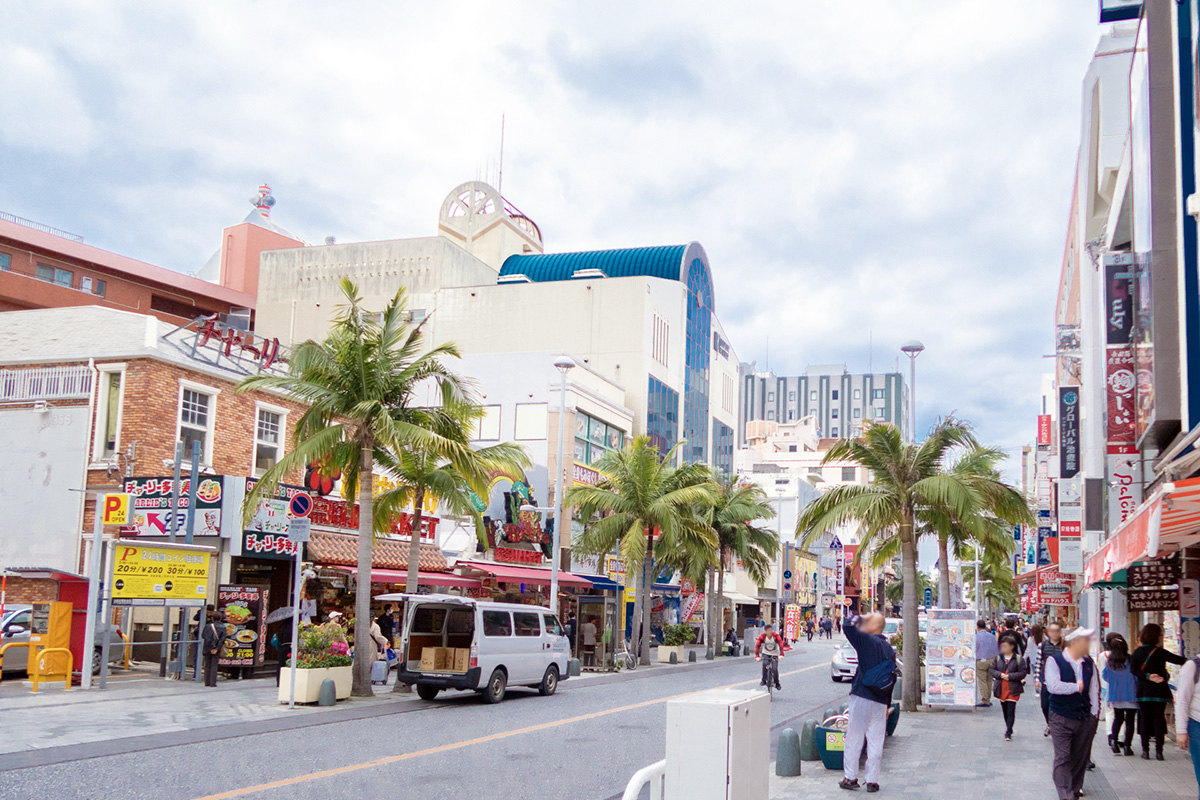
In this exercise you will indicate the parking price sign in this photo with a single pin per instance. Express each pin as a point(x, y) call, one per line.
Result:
point(152, 575)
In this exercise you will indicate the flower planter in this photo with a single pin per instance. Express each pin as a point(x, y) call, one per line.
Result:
point(664, 653)
point(308, 683)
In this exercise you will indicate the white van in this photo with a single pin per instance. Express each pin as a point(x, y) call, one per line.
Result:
point(509, 644)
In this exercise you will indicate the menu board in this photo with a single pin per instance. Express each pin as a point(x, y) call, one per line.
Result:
point(243, 609)
point(950, 657)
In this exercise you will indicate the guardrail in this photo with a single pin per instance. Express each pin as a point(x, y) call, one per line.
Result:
point(5, 647)
point(654, 775)
point(35, 676)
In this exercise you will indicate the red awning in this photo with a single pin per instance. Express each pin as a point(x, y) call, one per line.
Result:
point(1169, 520)
point(425, 578)
point(510, 573)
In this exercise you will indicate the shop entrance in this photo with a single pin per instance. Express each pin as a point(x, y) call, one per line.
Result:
point(599, 610)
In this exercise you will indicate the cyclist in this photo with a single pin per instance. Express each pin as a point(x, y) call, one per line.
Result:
point(769, 649)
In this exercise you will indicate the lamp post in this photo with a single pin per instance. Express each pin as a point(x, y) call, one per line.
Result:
point(563, 364)
point(912, 348)
point(782, 563)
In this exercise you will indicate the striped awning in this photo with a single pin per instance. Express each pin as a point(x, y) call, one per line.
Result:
point(1166, 522)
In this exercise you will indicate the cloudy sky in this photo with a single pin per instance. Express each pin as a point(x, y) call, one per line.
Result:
point(858, 172)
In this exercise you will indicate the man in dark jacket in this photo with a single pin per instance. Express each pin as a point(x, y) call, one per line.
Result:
point(1052, 645)
point(211, 639)
point(870, 698)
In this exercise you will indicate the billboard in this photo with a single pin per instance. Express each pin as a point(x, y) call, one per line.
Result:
point(152, 513)
point(151, 575)
point(1124, 483)
point(1118, 298)
point(1121, 387)
point(1068, 431)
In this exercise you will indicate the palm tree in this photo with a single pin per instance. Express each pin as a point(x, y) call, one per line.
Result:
point(359, 385)
point(894, 591)
point(999, 587)
point(641, 496)
point(733, 514)
point(908, 478)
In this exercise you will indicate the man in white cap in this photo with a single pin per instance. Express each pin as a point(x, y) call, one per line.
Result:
point(1074, 687)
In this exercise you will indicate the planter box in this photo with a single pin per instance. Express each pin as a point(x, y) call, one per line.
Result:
point(308, 683)
point(664, 653)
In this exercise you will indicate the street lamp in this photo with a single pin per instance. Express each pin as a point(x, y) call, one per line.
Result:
point(782, 564)
point(912, 348)
point(563, 364)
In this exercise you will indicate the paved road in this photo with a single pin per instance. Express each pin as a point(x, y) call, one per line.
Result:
point(584, 742)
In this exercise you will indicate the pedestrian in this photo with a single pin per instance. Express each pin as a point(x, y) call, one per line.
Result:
point(1033, 641)
point(589, 642)
point(870, 699)
point(1187, 712)
point(1010, 629)
point(1050, 646)
point(380, 644)
point(1074, 690)
point(282, 640)
point(732, 640)
point(769, 649)
point(1008, 673)
point(387, 622)
point(211, 639)
point(1149, 664)
point(572, 628)
point(809, 628)
point(986, 651)
point(1122, 693)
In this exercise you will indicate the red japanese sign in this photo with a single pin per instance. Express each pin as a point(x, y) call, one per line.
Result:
point(1045, 429)
point(1122, 385)
point(511, 555)
point(211, 329)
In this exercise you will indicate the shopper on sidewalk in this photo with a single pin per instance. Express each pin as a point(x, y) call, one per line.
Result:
point(1073, 687)
point(1050, 646)
point(1008, 671)
point(1149, 665)
point(211, 639)
point(1122, 693)
point(1187, 712)
point(870, 698)
point(986, 651)
point(1010, 630)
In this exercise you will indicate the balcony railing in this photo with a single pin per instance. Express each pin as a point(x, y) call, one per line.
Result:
point(45, 383)
point(38, 226)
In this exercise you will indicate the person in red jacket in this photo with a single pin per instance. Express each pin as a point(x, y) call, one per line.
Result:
point(769, 649)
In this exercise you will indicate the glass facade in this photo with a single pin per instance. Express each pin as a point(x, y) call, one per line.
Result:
point(696, 362)
point(722, 447)
point(594, 438)
point(662, 416)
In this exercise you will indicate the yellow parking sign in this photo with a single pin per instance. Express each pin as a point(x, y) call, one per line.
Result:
point(115, 509)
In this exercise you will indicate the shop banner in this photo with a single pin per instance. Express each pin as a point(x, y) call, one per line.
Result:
point(1124, 484)
point(1068, 431)
point(950, 657)
point(152, 515)
point(1118, 298)
point(268, 545)
point(1152, 599)
point(690, 606)
point(1055, 588)
point(1122, 403)
point(1070, 555)
point(151, 575)
point(1045, 430)
point(1047, 552)
point(1070, 508)
point(1029, 547)
point(791, 623)
point(243, 609)
point(1153, 574)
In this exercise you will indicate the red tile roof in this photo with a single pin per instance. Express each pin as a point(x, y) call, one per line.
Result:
point(342, 549)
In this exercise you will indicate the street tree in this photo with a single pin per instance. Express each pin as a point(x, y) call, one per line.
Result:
point(733, 516)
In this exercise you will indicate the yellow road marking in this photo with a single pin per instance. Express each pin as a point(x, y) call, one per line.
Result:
point(328, 773)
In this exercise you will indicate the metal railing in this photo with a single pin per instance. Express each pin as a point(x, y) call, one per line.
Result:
point(38, 226)
point(654, 775)
point(45, 383)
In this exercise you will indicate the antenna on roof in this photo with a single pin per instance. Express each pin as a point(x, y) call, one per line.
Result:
point(500, 178)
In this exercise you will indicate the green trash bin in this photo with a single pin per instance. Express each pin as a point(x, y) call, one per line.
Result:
point(831, 746)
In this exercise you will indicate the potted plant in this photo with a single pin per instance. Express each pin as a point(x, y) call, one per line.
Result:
point(675, 637)
point(323, 653)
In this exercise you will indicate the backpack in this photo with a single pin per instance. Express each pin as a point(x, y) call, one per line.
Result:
point(881, 678)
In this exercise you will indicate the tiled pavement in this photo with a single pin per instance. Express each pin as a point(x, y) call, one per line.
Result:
point(963, 754)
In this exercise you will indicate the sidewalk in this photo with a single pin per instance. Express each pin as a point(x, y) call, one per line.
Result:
point(960, 753)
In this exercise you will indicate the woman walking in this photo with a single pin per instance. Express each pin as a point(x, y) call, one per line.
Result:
point(1122, 693)
point(1149, 665)
point(1008, 673)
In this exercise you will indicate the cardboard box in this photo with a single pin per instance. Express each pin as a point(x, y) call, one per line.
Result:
point(436, 659)
point(462, 659)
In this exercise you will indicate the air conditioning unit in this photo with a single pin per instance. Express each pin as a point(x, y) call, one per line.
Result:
point(719, 745)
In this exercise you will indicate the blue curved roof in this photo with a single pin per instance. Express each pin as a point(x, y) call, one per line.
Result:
point(658, 262)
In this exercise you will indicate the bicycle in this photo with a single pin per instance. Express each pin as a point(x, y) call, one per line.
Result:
point(624, 658)
point(771, 673)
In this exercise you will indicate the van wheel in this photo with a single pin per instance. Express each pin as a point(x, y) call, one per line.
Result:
point(496, 686)
point(549, 681)
point(427, 692)
point(97, 660)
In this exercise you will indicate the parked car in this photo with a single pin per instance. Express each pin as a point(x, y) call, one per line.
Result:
point(496, 645)
point(891, 626)
point(14, 627)
point(844, 663)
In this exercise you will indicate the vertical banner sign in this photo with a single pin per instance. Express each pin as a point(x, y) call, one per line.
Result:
point(1118, 298)
point(1070, 508)
point(1124, 483)
point(1045, 433)
point(1122, 403)
point(1068, 431)
point(1122, 464)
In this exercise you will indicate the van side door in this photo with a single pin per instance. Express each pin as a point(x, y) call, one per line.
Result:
point(557, 644)
point(527, 625)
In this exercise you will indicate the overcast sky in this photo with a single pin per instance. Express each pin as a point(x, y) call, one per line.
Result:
point(857, 172)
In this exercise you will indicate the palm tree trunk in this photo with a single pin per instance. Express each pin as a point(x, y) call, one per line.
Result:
point(414, 545)
point(710, 609)
point(362, 599)
point(721, 595)
point(943, 570)
point(644, 593)
point(639, 593)
point(911, 643)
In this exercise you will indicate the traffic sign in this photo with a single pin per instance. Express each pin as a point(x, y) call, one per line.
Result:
point(115, 509)
point(298, 529)
point(928, 596)
point(849, 601)
point(787, 573)
point(301, 505)
point(787, 587)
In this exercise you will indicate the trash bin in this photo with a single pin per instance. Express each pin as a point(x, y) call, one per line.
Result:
point(831, 741)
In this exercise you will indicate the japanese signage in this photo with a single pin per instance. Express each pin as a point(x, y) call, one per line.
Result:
point(1047, 546)
point(227, 347)
point(1070, 555)
point(115, 509)
point(1118, 298)
point(1055, 588)
point(1122, 401)
point(1152, 599)
point(1154, 573)
point(1045, 433)
point(585, 474)
point(152, 575)
point(1070, 508)
point(1068, 432)
point(950, 657)
point(690, 606)
point(256, 544)
point(152, 515)
point(243, 609)
point(1124, 483)
point(511, 555)
point(791, 623)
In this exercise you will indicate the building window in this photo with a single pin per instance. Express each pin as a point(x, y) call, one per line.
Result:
point(834, 412)
point(791, 397)
point(662, 416)
point(594, 438)
point(878, 394)
point(878, 413)
point(196, 412)
point(108, 412)
point(532, 421)
point(268, 439)
point(791, 448)
point(770, 415)
point(487, 428)
point(812, 396)
point(858, 394)
point(857, 413)
point(770, 397)
point(834, 433)
point(92, 286)
point(722, 454)
point(848, 474)
point(814, 470)
point(5, 262)
point(791, 415)
point(834, 394)
point(58, 275)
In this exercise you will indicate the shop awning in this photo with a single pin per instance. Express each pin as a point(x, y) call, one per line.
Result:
point(510, 573)
point(395, 576)
point(1169, 520)
point(737, 598)
point(602, 583)
point(341, 549)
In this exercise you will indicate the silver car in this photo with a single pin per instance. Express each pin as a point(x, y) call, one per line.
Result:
point(14, 627)
point(844, 663)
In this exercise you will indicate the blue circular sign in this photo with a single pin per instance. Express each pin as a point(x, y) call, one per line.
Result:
point(787, 587)
point(300, 505)
point(787, 573)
